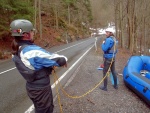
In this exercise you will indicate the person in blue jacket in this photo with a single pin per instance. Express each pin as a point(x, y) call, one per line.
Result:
point(109, 47)
point(35, 64)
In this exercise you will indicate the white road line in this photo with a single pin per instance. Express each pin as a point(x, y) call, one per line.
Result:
point(8, 70)
point(55, 52)
point(71, 67)
point(31, 108)
point(70, 47)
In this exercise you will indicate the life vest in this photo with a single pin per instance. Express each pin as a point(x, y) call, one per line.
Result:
point(114, 48)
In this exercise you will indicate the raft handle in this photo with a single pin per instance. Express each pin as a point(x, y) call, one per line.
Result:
point(145, 89)
point(127, 76)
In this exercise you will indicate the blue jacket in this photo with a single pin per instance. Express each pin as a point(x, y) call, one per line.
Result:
point(35, 64)
point(35, 58)
point(108, 47)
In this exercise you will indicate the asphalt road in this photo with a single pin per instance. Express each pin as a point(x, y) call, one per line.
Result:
point(13, 97)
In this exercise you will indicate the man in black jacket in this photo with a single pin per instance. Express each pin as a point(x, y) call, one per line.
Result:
point(34, 64)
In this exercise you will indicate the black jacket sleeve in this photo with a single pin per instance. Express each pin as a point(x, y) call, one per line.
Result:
point(61, 61)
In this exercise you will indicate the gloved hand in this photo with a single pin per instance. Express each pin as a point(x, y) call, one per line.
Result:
point(65, 65)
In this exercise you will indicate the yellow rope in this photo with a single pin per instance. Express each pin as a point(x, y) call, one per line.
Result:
point(83, 95)
point(58, 96)
point(75, 97)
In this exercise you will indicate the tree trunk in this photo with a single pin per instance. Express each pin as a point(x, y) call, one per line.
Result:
point(116, 21)
point(131, 15)
point(40, 20)
point(120, 23)
point(35, 13)
point(69, 13)
point(56, 15)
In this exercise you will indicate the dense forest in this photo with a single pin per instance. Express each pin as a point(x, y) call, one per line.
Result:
point(131, 18)
point(59, 20)
point(54, 20)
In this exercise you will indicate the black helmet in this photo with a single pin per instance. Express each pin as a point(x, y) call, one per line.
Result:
point(20, 26)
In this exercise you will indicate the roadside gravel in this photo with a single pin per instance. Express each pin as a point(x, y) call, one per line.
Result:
point(87, 76)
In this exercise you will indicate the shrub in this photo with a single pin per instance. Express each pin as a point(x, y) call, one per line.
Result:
point(58, 38)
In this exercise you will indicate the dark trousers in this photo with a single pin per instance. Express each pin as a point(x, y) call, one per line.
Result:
point(42, 99)
point(107, 63)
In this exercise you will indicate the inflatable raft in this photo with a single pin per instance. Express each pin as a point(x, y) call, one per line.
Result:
point(136, 76)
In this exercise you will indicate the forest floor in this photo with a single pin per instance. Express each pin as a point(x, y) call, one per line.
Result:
point(86, 77)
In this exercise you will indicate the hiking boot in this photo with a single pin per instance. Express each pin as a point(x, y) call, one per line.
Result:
point(103, 88)
point(116, 87)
